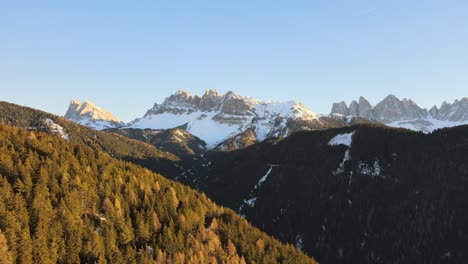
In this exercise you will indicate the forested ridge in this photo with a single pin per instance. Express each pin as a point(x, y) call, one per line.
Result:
point(64, 202)
point(393, 196)
point(116, 145)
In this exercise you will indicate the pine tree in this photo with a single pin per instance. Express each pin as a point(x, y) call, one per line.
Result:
point(5, 255)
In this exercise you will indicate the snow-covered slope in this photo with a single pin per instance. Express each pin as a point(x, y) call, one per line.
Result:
point(407, 114)
point(88, 114)
point(214, 117)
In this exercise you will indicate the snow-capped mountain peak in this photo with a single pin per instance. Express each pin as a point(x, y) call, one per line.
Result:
point(88, 114)
point(215, 117)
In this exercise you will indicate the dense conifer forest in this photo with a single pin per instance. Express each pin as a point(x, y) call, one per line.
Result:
point(393, 196)
point(117, 146)
point(64, 202)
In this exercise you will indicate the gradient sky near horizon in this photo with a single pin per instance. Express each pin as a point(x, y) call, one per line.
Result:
point(126, 55)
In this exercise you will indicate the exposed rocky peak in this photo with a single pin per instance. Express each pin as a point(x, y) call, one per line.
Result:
point(210, 101)
point(234, 104)
point(88, 114)
point(456, 111)
point(434, 111)
point(362, 109)
point(392, 109)
point(340, 108)
point(365, 108)
point(388, 110)
point(406, 113)
point(182, 98)
point(354, 108)
point(214, 117)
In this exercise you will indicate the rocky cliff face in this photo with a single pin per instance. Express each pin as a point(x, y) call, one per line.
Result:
point(215, 118)
point(211, 101)
point(393, 109)
point(88, 114)
point(406, 113)
point(456, 112)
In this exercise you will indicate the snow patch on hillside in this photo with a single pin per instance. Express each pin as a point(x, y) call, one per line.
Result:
point(251, 200)
point(427, 125)
point(340, 168)
point(94, 124)
point(200, 124)
point(342, 139)
point(264, 177)
point(290, 109)
point(57, 129)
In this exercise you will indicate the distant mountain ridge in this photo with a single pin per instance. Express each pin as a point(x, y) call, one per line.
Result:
point(406, 113)
point(229, 121)
point(215, 118)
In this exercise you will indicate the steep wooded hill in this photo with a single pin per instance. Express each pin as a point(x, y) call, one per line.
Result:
point(64, 202)
point(116, 145)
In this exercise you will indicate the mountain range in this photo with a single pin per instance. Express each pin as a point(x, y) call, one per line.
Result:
point(221, 120)
point(215, 118)
point(406, 113)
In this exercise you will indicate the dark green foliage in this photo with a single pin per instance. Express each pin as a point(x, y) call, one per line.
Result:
point(64, 202)
point(413, 211)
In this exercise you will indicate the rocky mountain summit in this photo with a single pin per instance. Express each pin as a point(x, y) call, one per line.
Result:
point(214, 117)
point(456, 111)
point(227, 104)
point(406, 113)
point(88, 114)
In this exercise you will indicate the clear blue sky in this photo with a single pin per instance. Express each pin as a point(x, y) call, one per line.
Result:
point(126, 55)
